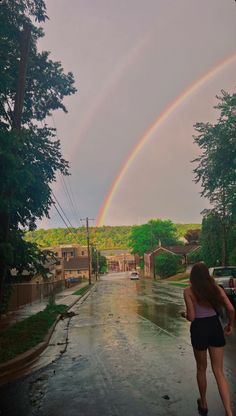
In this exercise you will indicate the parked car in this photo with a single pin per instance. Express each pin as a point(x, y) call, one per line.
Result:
point(225, 276)
point(134, 276)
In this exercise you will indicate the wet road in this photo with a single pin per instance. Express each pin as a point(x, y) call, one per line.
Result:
point(128, 353)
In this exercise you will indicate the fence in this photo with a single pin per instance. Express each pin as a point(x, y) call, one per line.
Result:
point(27, 293)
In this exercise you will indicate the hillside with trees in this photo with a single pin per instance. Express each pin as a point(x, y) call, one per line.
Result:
point(106, 237)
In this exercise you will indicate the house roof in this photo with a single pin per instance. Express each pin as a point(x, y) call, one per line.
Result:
point(176, 249)
point(76, 263)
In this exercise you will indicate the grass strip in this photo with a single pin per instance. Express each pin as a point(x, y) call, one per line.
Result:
point(180, 284)
point(82, 290)
point(178, 277)
point(26, 334)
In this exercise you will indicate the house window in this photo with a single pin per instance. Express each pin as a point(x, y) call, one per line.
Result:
point(82, 253)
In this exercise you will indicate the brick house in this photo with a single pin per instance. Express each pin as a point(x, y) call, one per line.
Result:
point(67, 251)
point(77, 267)
point(180, 250)
point(120, 261)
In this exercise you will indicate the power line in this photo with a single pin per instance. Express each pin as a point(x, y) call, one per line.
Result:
point(61, 216)
point(54, 196)
point(70, 198)
point(76, 205)
point(69, 193)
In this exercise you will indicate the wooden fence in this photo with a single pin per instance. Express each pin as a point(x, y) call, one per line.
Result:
point(27, 293)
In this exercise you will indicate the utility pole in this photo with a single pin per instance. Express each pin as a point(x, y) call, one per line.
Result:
point(97, 268)
point(88, 247)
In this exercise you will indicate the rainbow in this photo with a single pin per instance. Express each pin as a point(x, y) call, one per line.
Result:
point(111, 83)
point(154, 126)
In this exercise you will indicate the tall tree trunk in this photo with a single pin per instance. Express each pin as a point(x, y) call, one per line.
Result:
point(224, 231)
point(16, 125)
point(224, 246)
point(4, 252)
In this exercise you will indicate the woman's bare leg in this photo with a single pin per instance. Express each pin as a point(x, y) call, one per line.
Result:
point(201, 361)
point(216, 355)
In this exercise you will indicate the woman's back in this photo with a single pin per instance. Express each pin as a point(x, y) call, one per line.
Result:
point(201, 310)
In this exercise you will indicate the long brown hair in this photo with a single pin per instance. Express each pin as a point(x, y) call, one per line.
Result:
point(204, 286)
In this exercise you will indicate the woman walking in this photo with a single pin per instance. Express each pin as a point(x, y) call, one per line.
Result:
point(203, 299)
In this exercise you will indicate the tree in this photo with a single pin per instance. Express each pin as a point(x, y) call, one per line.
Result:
point(30, 154)
point(167, 264)
point(98, 260)
point(210, 239)
point(144, 238)
point(216, 170)
point(211, 244)
point(195, 256)
point(192, 236)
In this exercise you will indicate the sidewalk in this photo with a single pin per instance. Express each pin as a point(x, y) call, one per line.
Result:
point(30, 361)
point(65, 297)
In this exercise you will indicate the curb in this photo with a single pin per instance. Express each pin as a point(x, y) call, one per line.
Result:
point(9, 371)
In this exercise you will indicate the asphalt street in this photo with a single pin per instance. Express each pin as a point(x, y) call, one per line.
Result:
point(127, 352)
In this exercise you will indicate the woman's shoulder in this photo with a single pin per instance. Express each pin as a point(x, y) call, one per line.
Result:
point(189, 292)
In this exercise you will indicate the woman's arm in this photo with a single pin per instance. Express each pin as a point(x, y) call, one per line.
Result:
point(230, 312)
point(190, 311)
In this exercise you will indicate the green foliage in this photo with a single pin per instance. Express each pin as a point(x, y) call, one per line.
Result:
point(216, 168)
point(193, 236)
point(166, 264)
point(26, 334)
point(7, 292)
point(31, 156)
point(211, 240)
point(51, 300)
point(216, 171)
point(195, 256)
point(232, 257)
point(82, 290)
point(144, 238)
point(182, 229)
point(102, 262)
point(104, 238)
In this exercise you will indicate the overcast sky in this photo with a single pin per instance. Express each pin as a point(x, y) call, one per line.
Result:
point(131, 59)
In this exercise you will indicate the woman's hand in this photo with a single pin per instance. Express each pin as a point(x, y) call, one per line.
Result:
point(228, 329)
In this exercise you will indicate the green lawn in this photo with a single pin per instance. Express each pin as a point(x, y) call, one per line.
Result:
point(180, 284)
point(82, 290)
point(26, 334)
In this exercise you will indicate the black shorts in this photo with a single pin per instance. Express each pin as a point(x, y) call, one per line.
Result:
point(207, 332)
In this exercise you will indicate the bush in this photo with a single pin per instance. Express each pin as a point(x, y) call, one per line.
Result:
point(167, 264)
point(195, 256)
point(232, 257)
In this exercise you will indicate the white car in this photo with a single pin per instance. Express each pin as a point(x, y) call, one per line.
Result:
point(134, 276)
point(225, 276)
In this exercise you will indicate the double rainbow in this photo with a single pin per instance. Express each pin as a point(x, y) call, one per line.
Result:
point(154, 126)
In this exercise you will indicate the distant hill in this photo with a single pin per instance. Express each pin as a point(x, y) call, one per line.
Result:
point(105, 238)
